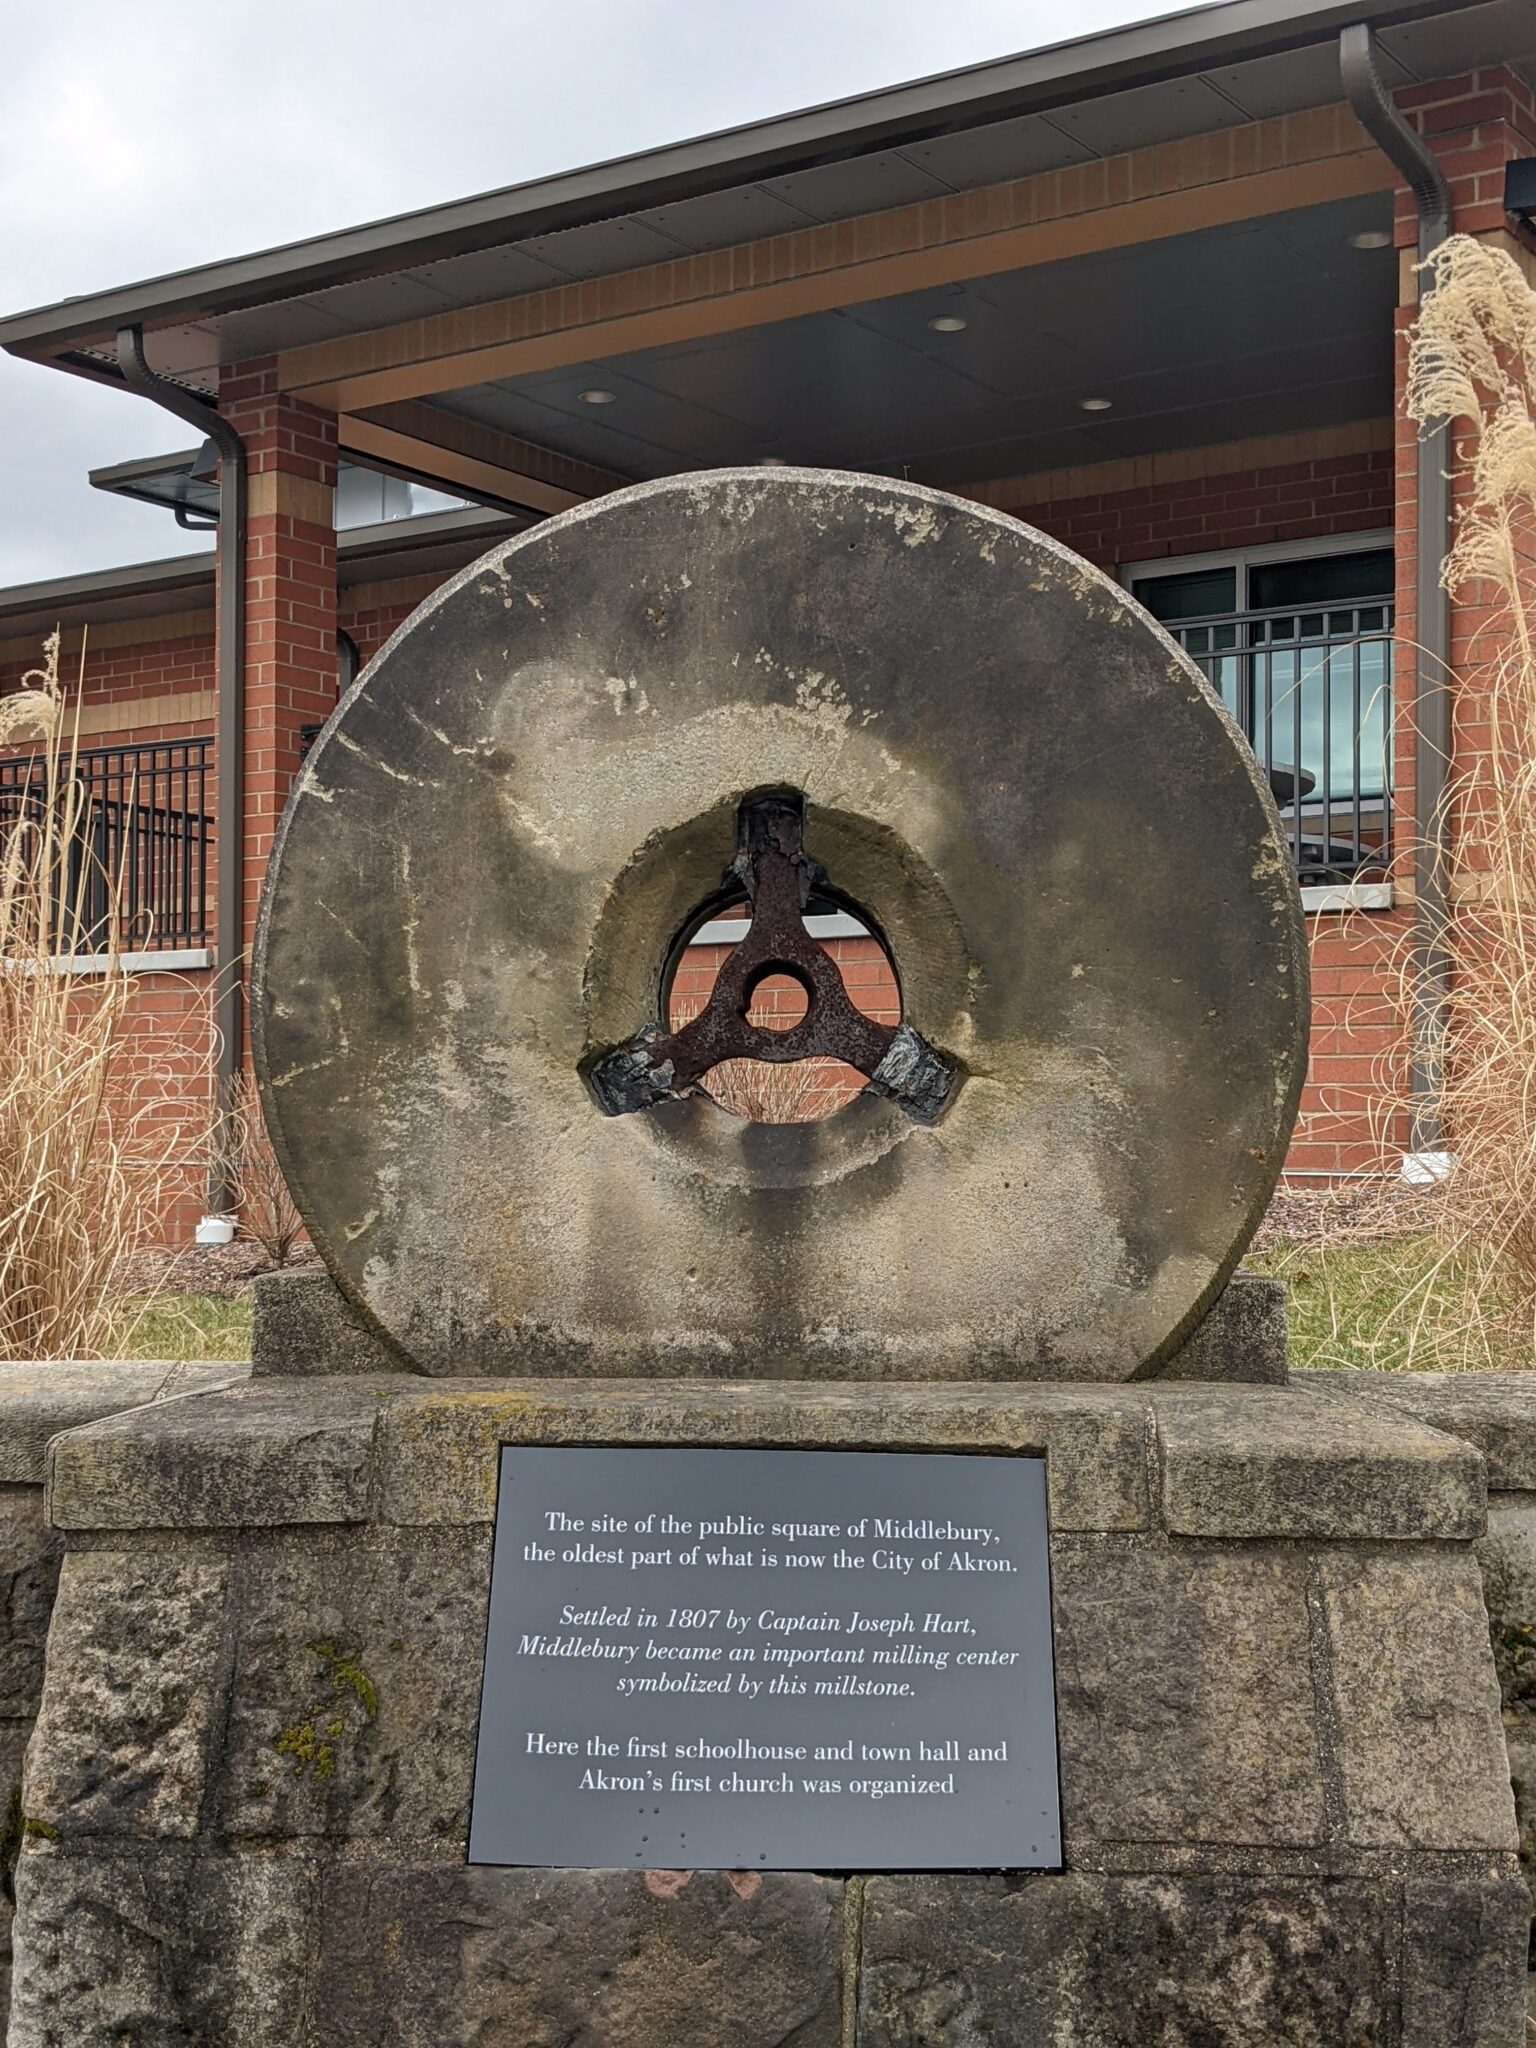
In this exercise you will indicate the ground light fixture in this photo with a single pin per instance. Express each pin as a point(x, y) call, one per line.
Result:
point(597, 396)
point(948, 323)
point(1095, 404)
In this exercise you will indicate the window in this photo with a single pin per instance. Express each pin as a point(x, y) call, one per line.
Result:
point(1297, 642)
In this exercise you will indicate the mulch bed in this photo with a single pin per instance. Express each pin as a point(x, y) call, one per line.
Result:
point(1346, 1212)
point(204, 1268)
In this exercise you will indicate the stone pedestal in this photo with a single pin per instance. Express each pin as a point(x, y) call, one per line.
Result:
point(1285, 1792)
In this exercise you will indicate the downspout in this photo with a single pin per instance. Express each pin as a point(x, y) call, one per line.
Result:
point(229, 911)
point(1432, 688)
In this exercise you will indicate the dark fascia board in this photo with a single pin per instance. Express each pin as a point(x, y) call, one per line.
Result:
point(1145, 53)
point(357, 547)
point(113, 476)
point(122, 477)
point(136, 579)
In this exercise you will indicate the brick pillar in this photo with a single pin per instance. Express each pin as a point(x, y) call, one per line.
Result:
point(290, 634)
point(1474, 125)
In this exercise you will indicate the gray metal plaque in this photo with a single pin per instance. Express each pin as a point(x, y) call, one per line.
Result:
point(803, 1660)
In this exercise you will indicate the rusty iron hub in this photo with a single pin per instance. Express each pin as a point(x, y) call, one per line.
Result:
point(778, 876)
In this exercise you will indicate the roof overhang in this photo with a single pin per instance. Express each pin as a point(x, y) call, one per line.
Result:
point(1143, 54)
point(433, 544)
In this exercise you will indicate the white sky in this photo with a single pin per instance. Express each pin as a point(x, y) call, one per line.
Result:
point(143, 137)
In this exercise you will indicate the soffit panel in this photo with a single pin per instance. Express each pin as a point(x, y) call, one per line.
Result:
point(1002, 150)
point(488, 274)
point(1269, 86)
point(1009, 357)
point(1150, 114)
point(859, 184)
point(601, 247)
point(380, 301)
point(1445, 46)
point(1276, 412)
point(717, 220)
point(1268, 326)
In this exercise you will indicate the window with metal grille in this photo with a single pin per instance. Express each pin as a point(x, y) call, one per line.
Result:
point(144, 839)
point(1296, 640)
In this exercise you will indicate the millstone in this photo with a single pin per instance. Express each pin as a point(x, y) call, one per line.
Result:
point(526, 801)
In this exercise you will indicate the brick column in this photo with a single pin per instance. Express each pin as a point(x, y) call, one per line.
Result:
point(1474, 124)
point(290, 637)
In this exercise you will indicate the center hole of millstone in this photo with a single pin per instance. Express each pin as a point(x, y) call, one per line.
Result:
point(799, 1091)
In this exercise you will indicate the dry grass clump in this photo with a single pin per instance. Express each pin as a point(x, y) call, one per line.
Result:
point(79, 1147)
point(796, 1093)
point(765, 1092)
point(267, 1212)
point(1473, 361)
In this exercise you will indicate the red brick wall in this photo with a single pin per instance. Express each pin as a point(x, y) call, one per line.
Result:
point(370, 612)
point(290, 615)
point(121, 682)
point(1338, 494)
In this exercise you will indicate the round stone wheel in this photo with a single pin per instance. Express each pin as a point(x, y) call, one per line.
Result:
point(1029, 792)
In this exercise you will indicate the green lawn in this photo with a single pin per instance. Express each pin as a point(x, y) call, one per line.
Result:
point(1387, 1304)
point(188, 1326)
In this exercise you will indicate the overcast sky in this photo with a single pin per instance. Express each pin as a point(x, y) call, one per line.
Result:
point(138, 139)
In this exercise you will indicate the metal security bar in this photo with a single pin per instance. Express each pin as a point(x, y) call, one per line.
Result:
point(1312, 692)
point(144, 837)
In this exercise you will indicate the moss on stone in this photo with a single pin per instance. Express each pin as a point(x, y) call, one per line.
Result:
point(309, 1753)
point(312, 1747)
point(348, 1675)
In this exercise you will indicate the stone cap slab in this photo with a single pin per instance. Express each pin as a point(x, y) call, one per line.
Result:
point(440, 1441)
point(39, 1398)
point(1238, 1462)
point(1496, 1411)
point(248, 1456)
point(1261, 1461)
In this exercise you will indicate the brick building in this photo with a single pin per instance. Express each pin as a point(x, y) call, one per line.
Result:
point(1146, 290)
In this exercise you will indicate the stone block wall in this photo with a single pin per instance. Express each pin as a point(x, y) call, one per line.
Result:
point(1285, 1789)
point(36, 1403)
point(1497, 1413)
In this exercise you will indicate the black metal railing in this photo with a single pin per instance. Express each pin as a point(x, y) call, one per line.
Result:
point(1312, 692)
point(144, 833)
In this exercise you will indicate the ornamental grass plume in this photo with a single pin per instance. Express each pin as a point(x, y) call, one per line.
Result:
point(80, 1148)
point(1473, 361)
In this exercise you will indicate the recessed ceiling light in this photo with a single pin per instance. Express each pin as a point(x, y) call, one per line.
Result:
point(1372, 238)
point(773, 462)
point(1095, 404)
point(598, 397)
point(948, 323)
